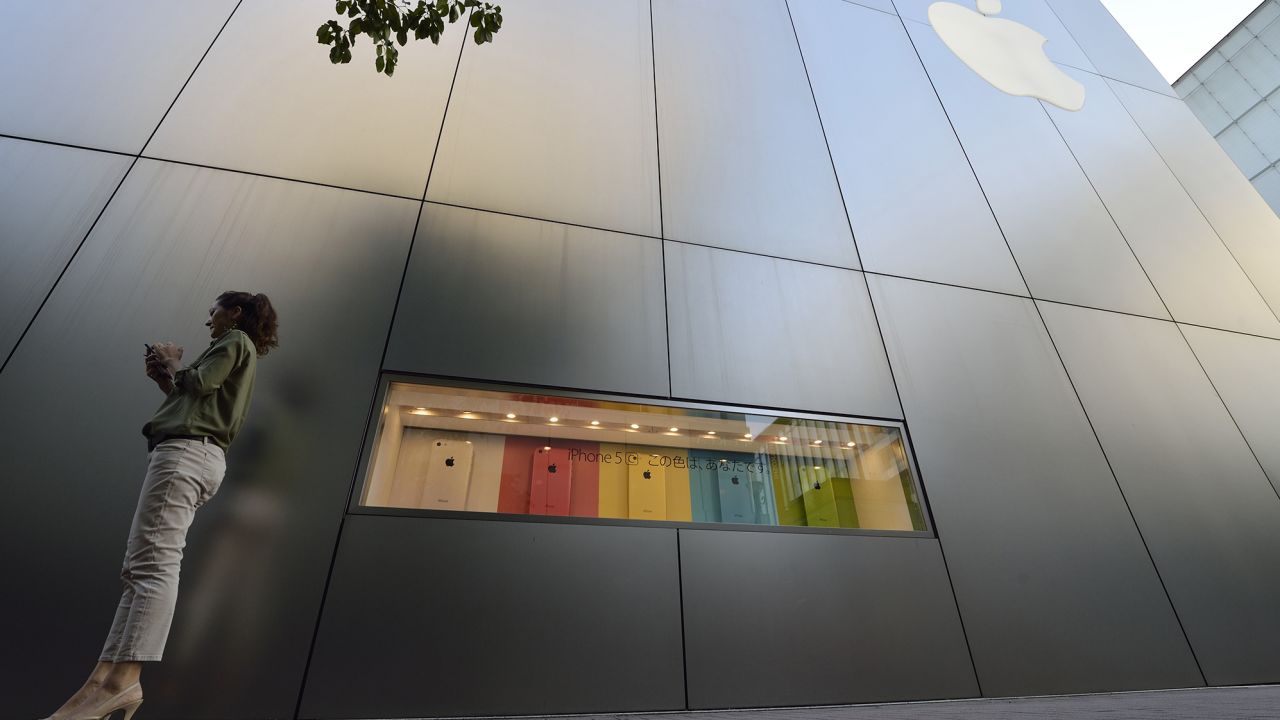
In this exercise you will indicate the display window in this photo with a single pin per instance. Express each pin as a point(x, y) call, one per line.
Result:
point(478, 450)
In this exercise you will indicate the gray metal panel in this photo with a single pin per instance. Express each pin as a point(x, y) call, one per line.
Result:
point(1209, 516)
point(746, 329)
point(916, 208)
point(74, 399)
point(49, 196)
point(1035, 14)
point(789, 619)
point(1240, 216)
point(1110, 48)
point(1056, 590)
point(267, 100)
point(744, 164)
point(1191, 268)
point(100, 73)
point(555, 122)
point(1243, 370)
point(428, 617)
point(1066, 243)
point(497, 297)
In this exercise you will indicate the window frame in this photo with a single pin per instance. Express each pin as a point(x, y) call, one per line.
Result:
point(386, 378)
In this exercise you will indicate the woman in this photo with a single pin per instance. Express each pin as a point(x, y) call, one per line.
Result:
point(205, 406)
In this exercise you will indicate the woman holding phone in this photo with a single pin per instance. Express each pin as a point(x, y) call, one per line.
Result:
point(204, 408)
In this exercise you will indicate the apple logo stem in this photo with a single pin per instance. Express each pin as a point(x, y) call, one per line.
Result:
point(1006, 54)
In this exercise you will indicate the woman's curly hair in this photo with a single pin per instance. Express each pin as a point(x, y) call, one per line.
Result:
point(258, 320)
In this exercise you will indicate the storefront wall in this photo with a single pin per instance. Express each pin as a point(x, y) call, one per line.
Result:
point(714, 202)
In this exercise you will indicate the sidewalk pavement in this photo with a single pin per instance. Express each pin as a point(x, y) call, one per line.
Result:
point(1258, 702)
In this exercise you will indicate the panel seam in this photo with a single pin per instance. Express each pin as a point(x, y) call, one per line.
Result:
point(1194, 202)
point(1155, 567)
point(662, 228)
point(54, 286)
point(373, 405)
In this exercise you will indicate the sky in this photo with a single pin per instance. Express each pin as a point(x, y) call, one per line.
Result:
point(1177, 33)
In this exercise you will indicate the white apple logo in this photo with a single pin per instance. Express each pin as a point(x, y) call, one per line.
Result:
point(1006, 54)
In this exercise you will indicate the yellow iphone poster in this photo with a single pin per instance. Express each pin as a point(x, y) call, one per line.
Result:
point(613, 480)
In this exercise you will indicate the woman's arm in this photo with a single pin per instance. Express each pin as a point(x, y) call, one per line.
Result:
point(208, 373)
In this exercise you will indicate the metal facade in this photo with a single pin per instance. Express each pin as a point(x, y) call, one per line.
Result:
point(723, 202)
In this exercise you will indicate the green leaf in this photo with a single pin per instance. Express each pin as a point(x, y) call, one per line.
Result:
point(340, 7)
point(479, 36)
point(475, 19)
point(380, 62)
point(402, 37)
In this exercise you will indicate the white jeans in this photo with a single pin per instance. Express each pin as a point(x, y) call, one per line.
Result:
point(182, 475)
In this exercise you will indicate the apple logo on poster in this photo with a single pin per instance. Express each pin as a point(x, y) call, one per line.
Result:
point(551, 468)
point(1006, 54)
point(449, 461)
point(734, 480)
point(648, 475)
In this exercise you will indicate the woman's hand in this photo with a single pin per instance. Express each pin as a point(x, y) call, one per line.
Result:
point(159, 372)
point(168, 355)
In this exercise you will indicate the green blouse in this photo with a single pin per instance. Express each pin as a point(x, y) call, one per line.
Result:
point(211, 395)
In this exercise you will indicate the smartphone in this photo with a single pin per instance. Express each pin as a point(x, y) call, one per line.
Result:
point(551, 483)
point(447, 475)
point(646, 490)
point(819, 497)
point(736, 501)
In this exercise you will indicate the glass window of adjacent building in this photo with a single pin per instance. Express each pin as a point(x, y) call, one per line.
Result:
point(467, 449)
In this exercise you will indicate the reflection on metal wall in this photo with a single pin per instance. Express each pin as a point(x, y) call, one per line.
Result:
point(74, 400)
point(697, 180)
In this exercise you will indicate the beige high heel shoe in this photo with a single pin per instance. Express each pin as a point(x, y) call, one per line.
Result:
point(111, 705)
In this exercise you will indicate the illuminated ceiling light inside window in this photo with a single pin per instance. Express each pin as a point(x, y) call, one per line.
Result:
point(554, 419)
point(747, 436)
point(783, 438)
point(595, 422)
point(675, 429)
point(711, 432)
point(511, 416)
point(817, 442)
point(546, 447)
point(635, 426)
point(817, 467)
point(850, 444)
point(420, 409)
